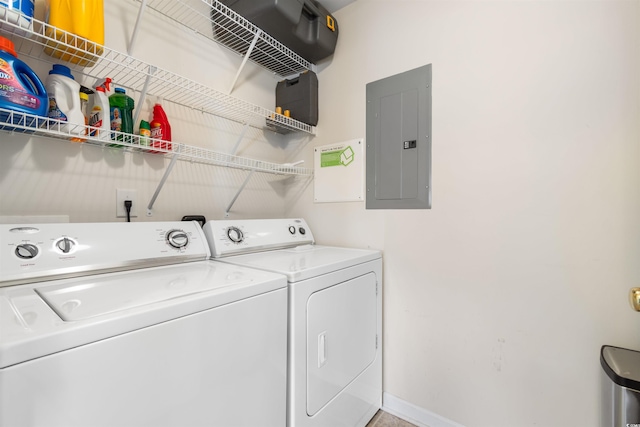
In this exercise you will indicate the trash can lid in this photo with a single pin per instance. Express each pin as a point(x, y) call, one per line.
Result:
point(621, 365)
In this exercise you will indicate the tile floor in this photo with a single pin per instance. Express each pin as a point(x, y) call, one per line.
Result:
point(383, 419)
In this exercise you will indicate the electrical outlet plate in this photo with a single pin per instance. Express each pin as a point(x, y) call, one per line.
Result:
point(121, 196)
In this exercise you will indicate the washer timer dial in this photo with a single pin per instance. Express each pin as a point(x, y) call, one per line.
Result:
point(65, 245)
point(177, 239)
point(235, 234)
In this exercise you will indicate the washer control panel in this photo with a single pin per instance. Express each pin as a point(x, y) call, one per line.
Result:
point(233, 237)
point(45, 251)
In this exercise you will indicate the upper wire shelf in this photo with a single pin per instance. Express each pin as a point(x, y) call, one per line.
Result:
point(219, 23)
point(139, 76)
point(13, 121)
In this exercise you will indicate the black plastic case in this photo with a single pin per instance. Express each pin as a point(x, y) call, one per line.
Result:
point(300, 96)
point(304, 26)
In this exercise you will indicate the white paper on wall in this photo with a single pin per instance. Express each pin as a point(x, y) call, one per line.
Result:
point(339, 172)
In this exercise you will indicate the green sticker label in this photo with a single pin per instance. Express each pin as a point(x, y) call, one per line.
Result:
point(337, 158)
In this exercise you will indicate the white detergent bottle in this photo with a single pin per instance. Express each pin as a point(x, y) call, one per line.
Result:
point(64, 102)
point(99, 112)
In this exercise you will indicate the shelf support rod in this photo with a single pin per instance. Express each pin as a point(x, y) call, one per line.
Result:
point(134, 35)
point(244, 60)
point(244, 184)
point(240, 137)
point(162, 181)
point(143, 94)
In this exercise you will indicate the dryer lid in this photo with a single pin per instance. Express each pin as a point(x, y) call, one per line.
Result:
point(304, 262)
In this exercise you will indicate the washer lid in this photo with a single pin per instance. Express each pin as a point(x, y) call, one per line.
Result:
point(305, 262)
point(96, 296)
point(44, 318)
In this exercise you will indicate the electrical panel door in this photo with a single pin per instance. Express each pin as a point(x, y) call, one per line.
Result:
point(398, 150)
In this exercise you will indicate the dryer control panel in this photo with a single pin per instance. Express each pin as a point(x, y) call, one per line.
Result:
point(233, 237)
point(32, 253)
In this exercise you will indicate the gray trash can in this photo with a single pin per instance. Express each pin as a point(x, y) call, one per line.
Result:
point(620, 387)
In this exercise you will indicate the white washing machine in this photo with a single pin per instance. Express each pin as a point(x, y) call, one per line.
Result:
point(335, 324)
point(131, 324)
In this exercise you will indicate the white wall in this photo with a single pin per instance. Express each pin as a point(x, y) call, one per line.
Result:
point(497, 300)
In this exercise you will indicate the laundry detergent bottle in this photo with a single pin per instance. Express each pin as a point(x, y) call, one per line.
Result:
point(83, 22)
point(160, 129)
point(22, 90)
point(64, 102)
point(121, 106)
point(19, 12)
point(99, 111)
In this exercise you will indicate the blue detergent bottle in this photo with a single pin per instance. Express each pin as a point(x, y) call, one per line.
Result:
point(20, 90)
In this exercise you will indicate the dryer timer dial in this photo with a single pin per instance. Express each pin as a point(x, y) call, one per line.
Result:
point(235, 234)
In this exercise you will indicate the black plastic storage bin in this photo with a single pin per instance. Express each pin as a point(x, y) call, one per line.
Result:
point(304, 26)
point(620, 387)
point(300, 96)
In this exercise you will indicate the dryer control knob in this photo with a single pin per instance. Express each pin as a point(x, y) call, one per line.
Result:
point(177, 238)
point(292, 230)
point(65, 245)
point(235, 234)
point(26, 251)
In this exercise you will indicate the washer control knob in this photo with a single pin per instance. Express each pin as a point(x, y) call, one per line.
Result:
point(302, 231)
point(65, 245)
point(26, 251)
point(177, 239)
point(235, 234)
point(292, 230)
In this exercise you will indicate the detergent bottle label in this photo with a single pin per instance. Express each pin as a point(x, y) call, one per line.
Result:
point(55, 112)
point(11, 91)
point(156, 132)
point(116, 119)
point(96, 118)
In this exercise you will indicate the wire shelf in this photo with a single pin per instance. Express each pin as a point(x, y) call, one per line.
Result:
point(13, 121)
point(137, 75)
point(217, 22)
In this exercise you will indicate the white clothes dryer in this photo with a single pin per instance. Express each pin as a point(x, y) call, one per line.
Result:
point(335, 324)
point(131, 324)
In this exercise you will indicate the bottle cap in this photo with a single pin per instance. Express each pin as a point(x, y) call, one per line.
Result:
point(7, 46)
point(84, 96)
point(62, 70)
point(120, 90)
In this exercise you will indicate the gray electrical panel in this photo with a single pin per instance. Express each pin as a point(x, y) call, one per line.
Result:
point(398, 156)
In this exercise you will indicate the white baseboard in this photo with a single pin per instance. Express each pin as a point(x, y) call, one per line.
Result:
point(414, 414)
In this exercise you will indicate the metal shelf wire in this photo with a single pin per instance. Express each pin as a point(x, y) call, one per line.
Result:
point(13, 121)
point(217, 22)
point(139, 76)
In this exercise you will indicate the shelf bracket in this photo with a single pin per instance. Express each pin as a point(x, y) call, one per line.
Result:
point(244, 184)
point(162, 181)
point(143, 94)
point(134, 35)
point(245, 59)
point(240, 137)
